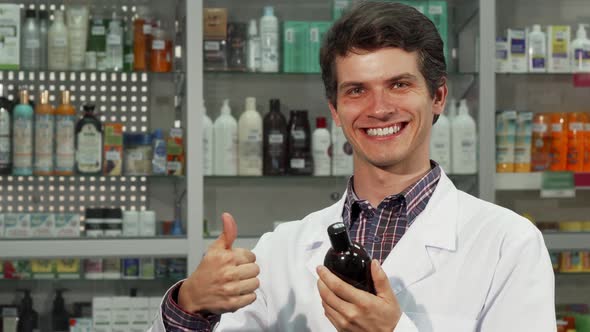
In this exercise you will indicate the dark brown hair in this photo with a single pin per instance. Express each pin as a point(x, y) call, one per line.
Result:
point(373, 25)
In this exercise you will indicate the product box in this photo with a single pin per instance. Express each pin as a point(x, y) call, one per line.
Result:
point(17, 225)
point(341, 153)
point(67, 225)
point(161, 268)
point(43, 268)
point(505, 140)
point(175, 152)
point(67, 268)
point(215, 23)
point(339, 7)
point(111, 268)
point(102, 315)
point(93, 268)
point(517, 54)
point(140, 314)
point(523, 147)
point(81, 325)
point(113, 149)
point(42, 225)
point(17, 269)
point(437, 12)
point(295, 46)
point(147, 268)
point(155, 303)
point(10, 33)
point(317, 30)
point(558, 48)
point(502, 51)
point(130, 268)
point(121, 314)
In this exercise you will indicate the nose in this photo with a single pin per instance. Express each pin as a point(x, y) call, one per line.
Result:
point(382, 106)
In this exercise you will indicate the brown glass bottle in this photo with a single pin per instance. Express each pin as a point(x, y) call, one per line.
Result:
point(300, 162)
point(348, 260)
point(274, 141)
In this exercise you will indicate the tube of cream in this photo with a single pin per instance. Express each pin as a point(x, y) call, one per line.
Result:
point(77, 17)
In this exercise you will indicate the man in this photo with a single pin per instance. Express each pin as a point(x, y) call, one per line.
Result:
point(443, 260)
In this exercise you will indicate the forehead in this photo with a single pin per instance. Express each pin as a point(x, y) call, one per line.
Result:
point(384, 63)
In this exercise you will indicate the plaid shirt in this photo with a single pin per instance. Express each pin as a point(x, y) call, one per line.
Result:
point(377, 229)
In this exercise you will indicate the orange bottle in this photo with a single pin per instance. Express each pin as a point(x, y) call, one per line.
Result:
point(65, 124)
point(159, 57)
point(142, 39)
point(587, 144)
point(558, 131)
point(575, 141)
point(44, 136)
point(541, 143)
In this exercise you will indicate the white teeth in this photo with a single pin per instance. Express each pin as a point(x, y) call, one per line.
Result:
point(385, 131)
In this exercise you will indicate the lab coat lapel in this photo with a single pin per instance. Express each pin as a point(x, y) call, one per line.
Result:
point(436, 227)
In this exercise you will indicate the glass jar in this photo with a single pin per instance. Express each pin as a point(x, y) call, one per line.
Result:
point(138, 153)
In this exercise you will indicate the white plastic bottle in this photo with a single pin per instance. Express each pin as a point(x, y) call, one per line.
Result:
point(31, 42)
point(115, 45)
point(269, 39)
point(581, 51)
point(225, 139)
point(537, 50)
point(253, 47)
point(207, 143)
point(250, 140)
point(320, 148)
point(440, 143)
point(452, 109)
point(58, 43)
point(464, 142)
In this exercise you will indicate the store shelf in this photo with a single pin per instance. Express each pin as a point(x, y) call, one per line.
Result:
point(532, 181)
point(567, 241)
point(282, 179)
point(85, 247)
point(241, 242)
point(92, 177)
point(249, 73)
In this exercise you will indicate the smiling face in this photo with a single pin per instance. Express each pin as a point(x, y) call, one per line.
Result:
point(385, 109)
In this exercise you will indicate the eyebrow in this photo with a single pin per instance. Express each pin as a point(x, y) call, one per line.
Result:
point(404, 76)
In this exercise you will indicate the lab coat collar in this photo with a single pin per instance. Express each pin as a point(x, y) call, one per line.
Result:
point(409, 262)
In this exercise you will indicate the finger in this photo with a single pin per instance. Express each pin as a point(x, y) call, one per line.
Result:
point(246, 271)
point(339, 305)
point(333, 316)
point(341, 288)
point(230, 233)
point(243, 300)
point(381, 282)
point(243, 256)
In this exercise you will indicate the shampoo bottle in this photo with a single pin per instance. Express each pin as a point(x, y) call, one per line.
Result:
point(43, 33)
point(89, 143)
point(114, 46)
point(207, 144)
point(253, 47)
point(250, 140)
point(28, 319)
point(464, 142)
point(60, 318)
point(440, 143)
point(321, 143)
point(65, 147)
point(58, 43)
point(537, 50)
point(300, 159)
point(22, 136)
point(274, 143)
point(581, 51)
point(5, 133)
point(31, 42)
point(348, 260)
point(269, 39)
point(44, 136)
point(225, 137)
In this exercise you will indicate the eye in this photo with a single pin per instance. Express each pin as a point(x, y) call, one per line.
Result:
point(355, 91)
point(399, 85)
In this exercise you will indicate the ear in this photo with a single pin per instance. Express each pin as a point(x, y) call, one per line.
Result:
point(334, 113)
point(440, 99)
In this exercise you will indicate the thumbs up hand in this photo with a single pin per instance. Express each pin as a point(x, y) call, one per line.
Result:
point(226, 278)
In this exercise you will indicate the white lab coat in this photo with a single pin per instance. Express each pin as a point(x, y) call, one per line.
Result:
point(463, 265)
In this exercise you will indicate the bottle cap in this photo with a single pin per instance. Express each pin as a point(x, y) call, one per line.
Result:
point(225, 108)
point(158, 134)
point(320, 122)
point(339, 237)
point(536, 28)
point(30, 13)
point(65, 97)
point(268, 11)
point(252, 28)
point(250, 104)
point(275, 105)
point(88, 107)
point(43, 15)
point(24, 96)
point(44, 97)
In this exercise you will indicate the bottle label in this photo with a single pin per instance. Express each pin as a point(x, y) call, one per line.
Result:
point(32, 43)
point(129, 58)
point(60, 41)
point(98, 30)
point(576, 126)
point(158, 45)
point(539, 128)
point(113, 155)
point(44, 143)
point(114, 40)
point(4, 150)
point(297, 163)
point(556, 127)
point(64, 139)
point(298, 138)
point(23, 142)
point(275, 138)
point(147, 29)
point(89, 149)
point(251, 151)
point(314, 35)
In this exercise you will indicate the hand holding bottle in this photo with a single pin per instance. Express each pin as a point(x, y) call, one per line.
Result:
point(351, 309)
point(226, 278)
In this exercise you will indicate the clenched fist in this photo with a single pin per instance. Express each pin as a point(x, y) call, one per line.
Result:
point(226, 278)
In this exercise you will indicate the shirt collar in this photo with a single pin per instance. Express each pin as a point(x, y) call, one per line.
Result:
point(413, 193)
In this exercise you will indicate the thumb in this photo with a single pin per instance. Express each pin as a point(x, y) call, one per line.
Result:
point(230, 232)
point(381, 282)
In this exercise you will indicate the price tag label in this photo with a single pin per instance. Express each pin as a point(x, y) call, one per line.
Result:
point(558, 185)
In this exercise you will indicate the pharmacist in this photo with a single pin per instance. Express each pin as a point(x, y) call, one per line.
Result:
point(444, 260)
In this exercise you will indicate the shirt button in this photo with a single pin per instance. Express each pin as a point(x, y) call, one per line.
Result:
point(376, 238)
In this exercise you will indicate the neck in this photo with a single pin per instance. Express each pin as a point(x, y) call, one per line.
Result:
point(374, 184)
